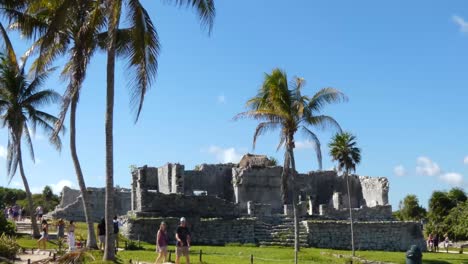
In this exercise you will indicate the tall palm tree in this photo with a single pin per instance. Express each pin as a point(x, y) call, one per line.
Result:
point(280, 104)
point(343, 150)
point(20, 102)
point(142, 52)
point(65, 28)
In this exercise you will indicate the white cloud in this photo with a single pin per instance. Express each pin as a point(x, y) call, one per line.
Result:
point(225, 155)
point(307, 144)
point(221, 99)
point(452, 178)
point(3, 152)
point(427, 167)
point(465, 160)
point(56, 187)
point(399, 171)
point(461, 23)
point(16, 184)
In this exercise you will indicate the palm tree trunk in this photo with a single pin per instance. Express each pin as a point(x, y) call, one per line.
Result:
point(28, 195)
point(294, 200)
point(91, 241)
point(350, 212)
point(114, 17)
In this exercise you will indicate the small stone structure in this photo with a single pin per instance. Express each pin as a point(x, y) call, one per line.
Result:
point(71, 205)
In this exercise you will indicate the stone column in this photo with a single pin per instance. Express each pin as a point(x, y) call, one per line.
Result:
point(250, 208)
point(337, 201)
point(311, 206)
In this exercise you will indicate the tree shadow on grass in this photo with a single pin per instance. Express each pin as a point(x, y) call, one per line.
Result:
point(445, 261)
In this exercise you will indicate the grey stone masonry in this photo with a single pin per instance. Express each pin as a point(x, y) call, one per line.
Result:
point(385, 235)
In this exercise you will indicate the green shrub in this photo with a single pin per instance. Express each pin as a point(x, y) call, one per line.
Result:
point(8, 247)
point(133, 245)
point(6, 227)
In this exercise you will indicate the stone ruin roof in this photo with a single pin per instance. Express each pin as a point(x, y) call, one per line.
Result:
point(257, 161)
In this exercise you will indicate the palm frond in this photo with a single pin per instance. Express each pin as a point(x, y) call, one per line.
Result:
point(28, 141)
point(315, 140)
point(9, 48)
point(326, 96)
point(262, 128)
point(142, 53)
point(205, 8)
point(323, 122)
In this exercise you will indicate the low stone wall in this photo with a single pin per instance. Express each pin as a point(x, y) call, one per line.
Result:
point(389, 236)
point(377, 213)
point(215, 231)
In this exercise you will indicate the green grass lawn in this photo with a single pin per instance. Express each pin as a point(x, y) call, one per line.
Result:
point(264, 255)
point(234, 254)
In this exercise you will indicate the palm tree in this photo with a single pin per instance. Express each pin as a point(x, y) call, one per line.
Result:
point(142, 51)
point(279, 104)
point(64, 27)
point(20, 100)
point(343, 150)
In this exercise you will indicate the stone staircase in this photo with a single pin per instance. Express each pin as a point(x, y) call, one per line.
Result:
point(279, 231)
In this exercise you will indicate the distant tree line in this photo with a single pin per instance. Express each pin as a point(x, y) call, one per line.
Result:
point(447, 213)
point(47, 199)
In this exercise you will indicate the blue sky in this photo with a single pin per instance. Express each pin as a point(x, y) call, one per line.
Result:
point(403, 65)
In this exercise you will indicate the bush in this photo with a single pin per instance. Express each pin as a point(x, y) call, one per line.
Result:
point(6, 227)
point(133, 245)
point(8, 247)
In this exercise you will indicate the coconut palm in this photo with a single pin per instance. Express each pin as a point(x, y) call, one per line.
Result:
point(20, 101)
point(280, 104)
point(142, 52)
point(64, 28)
point(343, 150)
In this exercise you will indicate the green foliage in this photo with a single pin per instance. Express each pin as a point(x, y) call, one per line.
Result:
point(448, 212)
point(410, 209)
point(273, 161)
point(133, 245)
point(9, 196)
point(343, 150)
point(47, 193)
point(39, 199)
point(6, 227)
point(8, 247)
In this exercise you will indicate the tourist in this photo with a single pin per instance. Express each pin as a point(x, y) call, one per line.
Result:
point(101, 228)
point(435, 241)
point(161, 243)
point(44, 235)
point(23, 213)
point(183, 241)
point(430, 242)
point(71, 236)
point(116, 225)
point(20, 213)
point(15, 212)
point(60, 229)
point(39, 213)
point(446, 242)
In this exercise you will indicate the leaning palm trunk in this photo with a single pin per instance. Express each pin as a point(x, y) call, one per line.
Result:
point(114, 12)
point(294, 201)
point(34, 226)
point(91, 242)
point(350, 212)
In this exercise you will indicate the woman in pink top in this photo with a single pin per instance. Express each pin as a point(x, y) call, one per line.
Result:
point(161, 243)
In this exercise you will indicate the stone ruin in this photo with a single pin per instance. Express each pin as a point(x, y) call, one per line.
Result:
point(241, 203)
point(71, 205)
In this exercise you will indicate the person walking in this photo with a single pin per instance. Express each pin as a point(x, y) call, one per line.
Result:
point(116, 225)
point(44, 236)
point(162, 241)
point(183, 241)
point(71, 236)
point(101, 230)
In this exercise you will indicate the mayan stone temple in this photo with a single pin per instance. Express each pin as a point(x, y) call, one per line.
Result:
point(241, 203)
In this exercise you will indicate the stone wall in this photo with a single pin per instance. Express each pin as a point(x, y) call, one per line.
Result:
point(376, 213)
point(260, 185)
point(71, 205)
point(214, 231)
point(157, 204)
point(389, 236)
point(216, 180)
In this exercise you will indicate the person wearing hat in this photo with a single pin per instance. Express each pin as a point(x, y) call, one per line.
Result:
point(183, 241)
